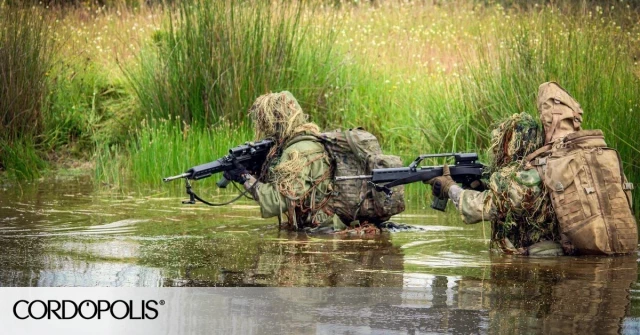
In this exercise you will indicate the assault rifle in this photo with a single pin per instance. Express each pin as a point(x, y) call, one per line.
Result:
point(251, 156)
point(466, 171)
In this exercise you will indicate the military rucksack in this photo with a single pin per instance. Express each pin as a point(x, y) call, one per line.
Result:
point(589, 191)
point(356, 152)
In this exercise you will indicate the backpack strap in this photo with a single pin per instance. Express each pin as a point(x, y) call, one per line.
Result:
point(555, 119)
point(349, 137)
point(350, 141)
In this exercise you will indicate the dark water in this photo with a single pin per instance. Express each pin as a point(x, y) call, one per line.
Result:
point(63, 232)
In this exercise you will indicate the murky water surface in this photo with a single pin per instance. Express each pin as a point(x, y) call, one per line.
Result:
point(63, 232)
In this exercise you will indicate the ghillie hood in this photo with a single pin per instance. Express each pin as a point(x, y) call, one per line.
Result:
point(279, 116)
point(513, 139)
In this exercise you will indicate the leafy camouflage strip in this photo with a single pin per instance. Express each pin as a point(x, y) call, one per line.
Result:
point(516, 203)
point(301, 195)
point(524, 214)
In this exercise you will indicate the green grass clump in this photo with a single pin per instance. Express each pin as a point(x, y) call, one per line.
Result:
point(21, 159)
point(214, 58)
point(87, 109)
point(26, 51)
point(166, 148)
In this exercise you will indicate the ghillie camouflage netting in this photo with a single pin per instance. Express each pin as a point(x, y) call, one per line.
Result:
point(513, 139)
point(524, 212)
point(280, 117)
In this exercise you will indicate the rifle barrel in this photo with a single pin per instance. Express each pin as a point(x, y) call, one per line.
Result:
point(183, 175)
point(362, 176)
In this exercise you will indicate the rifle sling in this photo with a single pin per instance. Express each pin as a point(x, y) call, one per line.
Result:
point(195, 196)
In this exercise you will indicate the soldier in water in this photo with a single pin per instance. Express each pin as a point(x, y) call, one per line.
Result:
point(552, 192)
point(296, 176)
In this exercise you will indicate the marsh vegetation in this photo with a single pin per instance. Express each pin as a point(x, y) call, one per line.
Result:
point(135, 92)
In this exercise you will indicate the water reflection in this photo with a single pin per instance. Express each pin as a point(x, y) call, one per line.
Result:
point(443, 279)
point(558, 295)
point(517, 296)
point(297, 260)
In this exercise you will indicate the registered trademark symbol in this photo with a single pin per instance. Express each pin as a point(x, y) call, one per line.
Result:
point(161, 302)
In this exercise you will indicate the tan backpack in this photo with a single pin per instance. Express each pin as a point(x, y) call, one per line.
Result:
point(589, 191)
point(357, 152)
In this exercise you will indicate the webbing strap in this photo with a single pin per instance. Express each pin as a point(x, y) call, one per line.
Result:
point(538, 152)
point(555, 119)
point(302, 138)
point(349, 137)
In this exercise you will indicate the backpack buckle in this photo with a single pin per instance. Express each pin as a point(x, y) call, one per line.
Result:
point(627, 186)
point(540, 161)
point(559, 187)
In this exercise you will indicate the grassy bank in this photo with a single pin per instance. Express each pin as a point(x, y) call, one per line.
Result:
point(423, 77)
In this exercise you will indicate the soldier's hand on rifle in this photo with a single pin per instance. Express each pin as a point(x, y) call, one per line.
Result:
point(477, 185)
point(440, 185)
point(239, 175)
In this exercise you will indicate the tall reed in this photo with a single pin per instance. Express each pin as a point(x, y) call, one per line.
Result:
point(26, 51)
point(164, 148)
point(214, 58)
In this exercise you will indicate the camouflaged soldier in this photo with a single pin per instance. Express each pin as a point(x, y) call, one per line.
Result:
point(561, 191)
point(515, 202)
point(297, 175)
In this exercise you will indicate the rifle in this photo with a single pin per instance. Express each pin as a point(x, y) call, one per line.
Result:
point(250, 155)
point(465, 171)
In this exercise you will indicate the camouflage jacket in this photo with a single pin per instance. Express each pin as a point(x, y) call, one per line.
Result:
point(516, 204)
point(299, 194)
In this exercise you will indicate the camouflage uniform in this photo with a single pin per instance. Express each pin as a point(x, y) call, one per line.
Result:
point(305, 187)
point(515, 201)
point(296, 177)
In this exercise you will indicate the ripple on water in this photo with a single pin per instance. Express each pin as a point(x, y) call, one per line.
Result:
point(445, 259)
point(46, 229)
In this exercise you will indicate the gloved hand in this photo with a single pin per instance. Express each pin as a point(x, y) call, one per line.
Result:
point(477, 185)
point(440, 185)
point(239, 175)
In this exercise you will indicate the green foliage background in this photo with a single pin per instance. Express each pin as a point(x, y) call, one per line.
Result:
point(424, 77)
